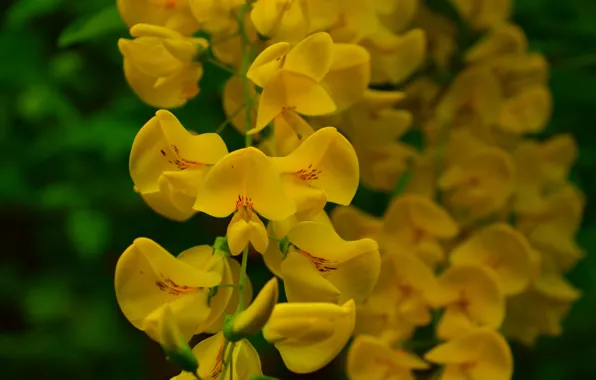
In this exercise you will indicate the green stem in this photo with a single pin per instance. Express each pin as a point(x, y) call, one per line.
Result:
point(242, 279)
point(228, 121)
point(228, 363)
point(222, 66)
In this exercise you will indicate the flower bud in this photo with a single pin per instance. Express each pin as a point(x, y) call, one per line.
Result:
point(252, 320)
point(173, 343)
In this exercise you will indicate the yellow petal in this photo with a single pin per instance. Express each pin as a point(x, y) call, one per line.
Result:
point(287, 89)
point(268, 63)
point(246, 227)
point(150, 56)
point(504, 39)
point(312, 57)
point(305, 358)
point(169, 203)
point(245, 174)
point(326, 160)
point(304, 283)
point(234, 104)
point(527, 112)
point(252, 320)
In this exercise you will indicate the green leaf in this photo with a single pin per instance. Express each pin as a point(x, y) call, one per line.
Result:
point(104, 22)
point(23, 11)
point(89, 232)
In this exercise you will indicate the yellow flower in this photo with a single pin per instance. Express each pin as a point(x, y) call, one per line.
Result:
point(173, 14)
point(395, 57)
point(502, 249)
point(481, 354)
point(316, 77)
point(397, 15)
point(244, 181)
point(504, 39)
point(371, 359)
point(471, 298)
point(245, 178)
point(526, 111)
point(478, 180)
point(324, 168)
point(159, 65)
point(148, 277)
point(441, 34)
point(484, 13)
point(414, 224)
point(541, 309)
point(322, 267)
point(381, 166)
point(474, 91)
point(352, 223)
point(552, 225)
point(289, 131)
point(167, 164)
point(285, 20)
point(215, 16)
point(211, 356)
point(309, 335)
point(541, 166)
point(399, 302)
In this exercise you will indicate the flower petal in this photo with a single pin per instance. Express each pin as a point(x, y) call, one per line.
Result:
point(268, 63)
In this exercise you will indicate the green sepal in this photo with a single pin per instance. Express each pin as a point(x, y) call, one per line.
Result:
point(283, 246)
point(183, 358)
point(228, 330)
point(212, 293)
point(221, 245)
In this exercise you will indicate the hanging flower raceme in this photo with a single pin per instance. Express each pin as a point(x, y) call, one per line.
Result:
point(309, 335)
point(245, 182)
point(167, 164)
point(319, 266)
point(479, 355)
point(160, 66)
point(315, 77)
point(324, 168)
point(372, 359)
point(212, 357)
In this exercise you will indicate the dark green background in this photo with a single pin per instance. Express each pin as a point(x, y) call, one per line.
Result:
point(67, 208)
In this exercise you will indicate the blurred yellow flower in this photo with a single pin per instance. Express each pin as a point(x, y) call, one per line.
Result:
point(471, 297)
point(173, 14)
point(159, 65)
point(371, 359)
point(481, 354)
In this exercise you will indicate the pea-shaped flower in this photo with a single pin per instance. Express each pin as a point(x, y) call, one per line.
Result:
point(481, 354)
point(309, 335)
point(315, 77)
point(148, 277)
point(159, 65)
point(471, 297)
point(246, 182)
point(322, 267)
point(211, 356)
point(504, 250)
point(323, 168)
point(167, 164)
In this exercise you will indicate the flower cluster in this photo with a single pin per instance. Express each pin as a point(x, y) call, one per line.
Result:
point(473, 245)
